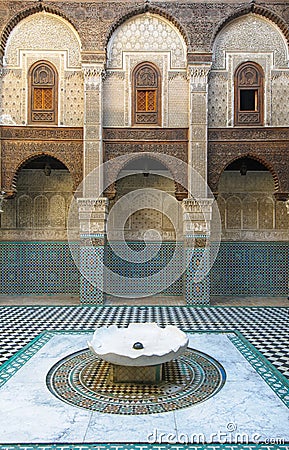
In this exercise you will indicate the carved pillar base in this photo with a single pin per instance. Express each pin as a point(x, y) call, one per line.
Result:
point(92, 216)
point(197, 221)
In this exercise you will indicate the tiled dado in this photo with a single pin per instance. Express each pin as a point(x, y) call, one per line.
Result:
point(241, 268)
point(251, 269)
point(37, 268)
point(160, 256)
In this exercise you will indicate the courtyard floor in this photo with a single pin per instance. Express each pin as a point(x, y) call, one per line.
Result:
point(251, 344)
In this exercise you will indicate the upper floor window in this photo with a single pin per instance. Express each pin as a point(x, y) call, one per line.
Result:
point(43, 94)
point(146, 95)
point(249, 95)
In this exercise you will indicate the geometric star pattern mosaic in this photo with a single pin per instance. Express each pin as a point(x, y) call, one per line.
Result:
point(82, 379)
point(266, 328)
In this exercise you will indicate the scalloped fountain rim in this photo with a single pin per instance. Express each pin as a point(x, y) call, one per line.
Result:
point(160, 345)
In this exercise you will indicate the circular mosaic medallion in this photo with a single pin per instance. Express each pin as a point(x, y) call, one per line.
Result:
point(81, 379)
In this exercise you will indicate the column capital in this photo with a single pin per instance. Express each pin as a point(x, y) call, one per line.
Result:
point(93, 74)
point(192, 204)
point(197, 216)
point(93, 204)
point(198, 75)
point(92, 216)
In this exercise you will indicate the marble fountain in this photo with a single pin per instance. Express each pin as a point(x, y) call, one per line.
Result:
point(137, 353)
point(139, 369)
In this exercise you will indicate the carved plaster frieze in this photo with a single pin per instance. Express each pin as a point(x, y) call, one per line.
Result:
point(177, 74)
point(199, 205)
point(119, 74)
point(73, 73)
point(41, 133)
point(6, 71)
point(34, 235)
point(138, 134)
point(257, 235)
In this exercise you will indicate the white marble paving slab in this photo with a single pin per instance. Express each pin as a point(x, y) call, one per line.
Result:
point(246, 405)
point(30, 413)
point(121, 428)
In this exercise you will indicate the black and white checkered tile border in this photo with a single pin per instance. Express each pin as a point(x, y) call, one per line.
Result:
point(266, 328)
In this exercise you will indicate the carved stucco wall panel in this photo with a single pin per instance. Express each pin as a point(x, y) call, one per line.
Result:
point(39, 209)
point(248, 208)
point(178, 96)
point(12, 97)
point(42, 31)
point(248, 38)
point(73, 98)
point(218, 99)
point(280, 98)
point(150, 38)
point(147, 33)
point(114, 99)
point(43, 36)
point(250, 34)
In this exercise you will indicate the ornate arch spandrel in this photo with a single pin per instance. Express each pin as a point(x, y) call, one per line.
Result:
point(219, 164)
point(23, 14)
point(112, 175)
point(16, 154)
point(258, 10)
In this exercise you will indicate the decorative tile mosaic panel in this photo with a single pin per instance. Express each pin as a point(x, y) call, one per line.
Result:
point(83, 380)
point(91, 260)
point(197, 292)
point(162, 256)
point(252, 269)
point(37, 268)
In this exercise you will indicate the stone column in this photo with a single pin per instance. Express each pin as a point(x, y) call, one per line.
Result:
point(1, 86)
point(92, 218)
point(92, 206)
point(198, 207)
point(93, 67)
point(198, 126)
point(197, 223)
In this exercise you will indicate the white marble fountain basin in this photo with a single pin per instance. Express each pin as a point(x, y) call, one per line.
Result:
point(115, 345)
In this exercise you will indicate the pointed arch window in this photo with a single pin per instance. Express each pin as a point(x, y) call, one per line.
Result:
point(249, 95)
point(43, 82)
point(146, 95)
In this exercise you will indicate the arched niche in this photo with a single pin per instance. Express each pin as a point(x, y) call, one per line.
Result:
point(150, 188)
point(44, 189)
point(246, 189)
